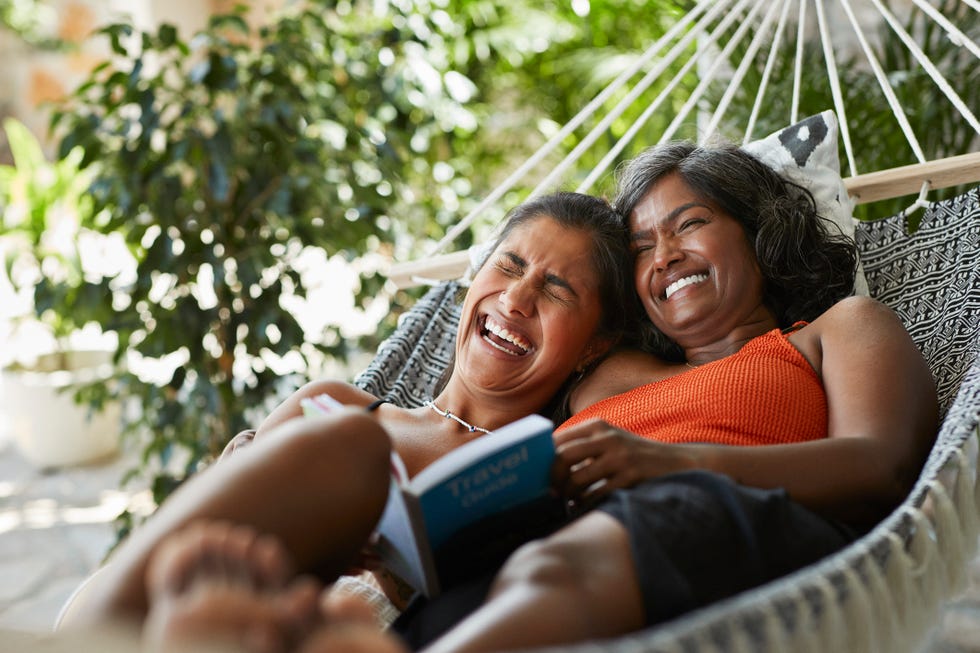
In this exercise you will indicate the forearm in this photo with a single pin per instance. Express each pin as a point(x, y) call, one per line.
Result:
point(857, 480)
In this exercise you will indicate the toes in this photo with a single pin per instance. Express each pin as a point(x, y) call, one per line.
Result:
point(298, 608)
point(218, 552)
point(272, 562)
point(216, 617)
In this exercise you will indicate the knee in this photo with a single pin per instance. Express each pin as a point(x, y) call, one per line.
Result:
point(333, 445)
point(348, 433)
point(585, 569)
point(357, 434)
point(588, 561)
point(319, 387)
point(548, 563)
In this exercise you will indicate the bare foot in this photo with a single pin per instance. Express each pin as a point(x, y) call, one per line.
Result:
point(220, 587)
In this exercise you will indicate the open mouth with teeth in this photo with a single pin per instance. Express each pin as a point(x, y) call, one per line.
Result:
point(501, 338)
point(684, 283)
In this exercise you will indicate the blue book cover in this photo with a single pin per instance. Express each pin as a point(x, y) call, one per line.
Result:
point(492, 474)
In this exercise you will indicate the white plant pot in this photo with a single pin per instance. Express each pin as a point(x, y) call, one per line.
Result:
point(49, 428)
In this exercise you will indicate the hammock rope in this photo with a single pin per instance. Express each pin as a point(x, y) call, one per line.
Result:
point(573, 124)
point(736, 82)
point(709, 76)
point(927, 63)
point(600, 129)
point(644, 117)
point(707, 27)
point(834, 80)
point(766, 73)
point(886, 89)
point(955, 35)
point(794, 114)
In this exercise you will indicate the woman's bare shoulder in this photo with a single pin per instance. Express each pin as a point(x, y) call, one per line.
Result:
point(861, 338)
point(619, 372)
point(855, 321)
point(858, 308)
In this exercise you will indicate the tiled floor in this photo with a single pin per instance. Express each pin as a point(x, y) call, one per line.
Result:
point(55, 528)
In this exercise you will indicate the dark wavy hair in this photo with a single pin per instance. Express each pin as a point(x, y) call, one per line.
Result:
point(612, 261)
point(808, 264)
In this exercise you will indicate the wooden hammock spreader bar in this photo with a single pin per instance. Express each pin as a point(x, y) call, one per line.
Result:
point(907, 180)
point(432, 269)
point(870, 187)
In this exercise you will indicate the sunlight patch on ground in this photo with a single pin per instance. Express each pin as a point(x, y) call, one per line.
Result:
point(49, 513)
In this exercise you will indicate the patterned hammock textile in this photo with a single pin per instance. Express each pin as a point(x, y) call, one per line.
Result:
point(884, 592)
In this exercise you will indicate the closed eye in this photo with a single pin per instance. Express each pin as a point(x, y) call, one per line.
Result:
point(510, 264)
point(554, 286)
point(559, 294)
point(508, 268)
point(692, 222)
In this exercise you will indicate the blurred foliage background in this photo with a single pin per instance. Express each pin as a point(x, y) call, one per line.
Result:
point(237, 163)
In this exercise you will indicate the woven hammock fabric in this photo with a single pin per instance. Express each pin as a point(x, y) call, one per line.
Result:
point(408, 364)
point(931, 278)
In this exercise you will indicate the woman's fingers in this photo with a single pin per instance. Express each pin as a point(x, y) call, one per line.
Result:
point(595, 464)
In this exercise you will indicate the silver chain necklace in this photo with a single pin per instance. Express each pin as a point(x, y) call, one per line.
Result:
point(459, 420)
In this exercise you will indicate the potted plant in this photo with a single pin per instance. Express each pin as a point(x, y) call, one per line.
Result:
point(46, 364)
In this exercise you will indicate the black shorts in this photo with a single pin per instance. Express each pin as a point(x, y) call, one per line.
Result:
point(698, 537)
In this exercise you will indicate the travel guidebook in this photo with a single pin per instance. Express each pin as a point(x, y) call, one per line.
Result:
point(469, 508)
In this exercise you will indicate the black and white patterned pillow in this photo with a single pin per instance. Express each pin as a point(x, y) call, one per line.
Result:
point(806, 154)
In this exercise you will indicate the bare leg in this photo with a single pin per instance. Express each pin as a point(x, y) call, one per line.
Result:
point(215, 587)
point(576, 585)
point(318, 484)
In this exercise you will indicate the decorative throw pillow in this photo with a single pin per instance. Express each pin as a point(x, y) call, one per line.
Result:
point(806, 154)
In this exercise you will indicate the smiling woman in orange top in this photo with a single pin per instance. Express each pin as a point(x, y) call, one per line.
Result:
point(746, 288)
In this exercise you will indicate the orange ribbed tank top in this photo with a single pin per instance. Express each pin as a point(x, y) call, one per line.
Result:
point(765, 393)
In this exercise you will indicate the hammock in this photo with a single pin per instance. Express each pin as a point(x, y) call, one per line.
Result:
point(885, 591)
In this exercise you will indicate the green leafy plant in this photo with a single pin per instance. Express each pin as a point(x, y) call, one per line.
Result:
point(43, 204)
point(32, 21)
